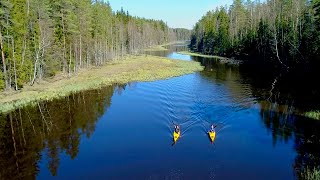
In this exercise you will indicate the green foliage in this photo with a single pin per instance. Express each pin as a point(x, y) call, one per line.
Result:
point(2, 85)
point(5, 6)
point(316, 7)
point(211, 34)
point(44, 37)
point(284, 33)
point(313, 114)
point(223, 39)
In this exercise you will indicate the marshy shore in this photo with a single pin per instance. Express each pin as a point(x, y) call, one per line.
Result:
point(131, 69)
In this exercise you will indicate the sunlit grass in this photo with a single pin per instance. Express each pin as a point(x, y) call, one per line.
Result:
point(311, 174)
point(313, 114)
point(134, 68)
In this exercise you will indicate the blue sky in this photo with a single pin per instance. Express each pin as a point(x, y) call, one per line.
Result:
point(177, 13)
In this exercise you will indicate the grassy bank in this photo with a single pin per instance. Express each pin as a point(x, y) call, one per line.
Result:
point(221, 59)
point(313, 114)
point(199, 55)
point(311, 174)
point(134, 68)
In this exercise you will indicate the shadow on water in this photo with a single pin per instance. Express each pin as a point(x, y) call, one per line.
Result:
point(283, 100)
point(48, 129)
point(305, 134)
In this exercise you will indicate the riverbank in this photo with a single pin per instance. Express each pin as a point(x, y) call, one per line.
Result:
point(199, 55)
point(162, 46)
point(221, 59)
point(131, 69)
point(157, 48)
point(313, 115)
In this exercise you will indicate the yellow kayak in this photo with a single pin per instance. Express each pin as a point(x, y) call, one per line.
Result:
point(212, 135)
point(176, 136)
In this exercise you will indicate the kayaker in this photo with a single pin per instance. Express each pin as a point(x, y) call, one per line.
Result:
point(177, 128)
point(213, 128)
point(212, 133)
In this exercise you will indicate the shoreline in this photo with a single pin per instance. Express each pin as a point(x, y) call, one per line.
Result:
point(140, 68)
point(219, 58)
point(313, 114)
point(161, 47)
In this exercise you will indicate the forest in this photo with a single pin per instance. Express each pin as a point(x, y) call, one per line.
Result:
point(278, 33)
point(42, 38)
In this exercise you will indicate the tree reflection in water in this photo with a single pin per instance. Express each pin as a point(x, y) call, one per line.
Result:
point(48, 129)
point(282, 101)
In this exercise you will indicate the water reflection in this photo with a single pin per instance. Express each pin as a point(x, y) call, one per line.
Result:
point(303, 131)
point(307, 146)
point(249, 103)
point(282, 101)
point(46, 130)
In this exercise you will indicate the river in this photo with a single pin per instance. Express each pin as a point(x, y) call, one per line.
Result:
point(125, 131)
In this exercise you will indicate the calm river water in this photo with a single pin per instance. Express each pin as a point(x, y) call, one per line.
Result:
point(125, 131)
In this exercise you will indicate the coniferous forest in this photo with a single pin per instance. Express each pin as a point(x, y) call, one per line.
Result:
point(278, 33)
point(40, 38)
point(90, 91)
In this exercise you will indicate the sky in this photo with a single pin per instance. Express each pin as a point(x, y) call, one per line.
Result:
point(177, 13)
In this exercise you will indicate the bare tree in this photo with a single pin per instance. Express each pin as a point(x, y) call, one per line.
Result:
point(4, 62)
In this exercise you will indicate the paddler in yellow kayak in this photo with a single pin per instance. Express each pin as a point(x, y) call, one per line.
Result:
point(212, 133)
point(176, 133)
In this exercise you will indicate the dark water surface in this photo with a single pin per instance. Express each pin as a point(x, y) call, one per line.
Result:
point(125, 131)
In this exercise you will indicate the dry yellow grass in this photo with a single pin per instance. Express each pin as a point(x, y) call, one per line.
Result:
point(134, 68)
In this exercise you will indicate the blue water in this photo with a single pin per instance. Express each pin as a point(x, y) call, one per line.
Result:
point(133, 139)
point(126, 133)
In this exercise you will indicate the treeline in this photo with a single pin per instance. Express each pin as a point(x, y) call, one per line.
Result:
point(40, 38)
point(181, 34)
point(284, 33)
